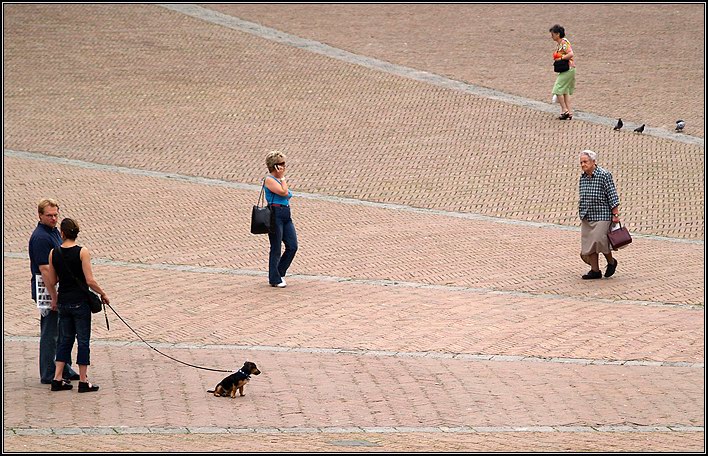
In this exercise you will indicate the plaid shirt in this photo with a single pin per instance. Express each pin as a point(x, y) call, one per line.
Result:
point(598, 196)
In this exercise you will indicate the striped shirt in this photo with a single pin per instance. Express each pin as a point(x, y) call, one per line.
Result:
point(598, 196)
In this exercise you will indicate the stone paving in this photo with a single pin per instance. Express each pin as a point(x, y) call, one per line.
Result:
point(436, 301)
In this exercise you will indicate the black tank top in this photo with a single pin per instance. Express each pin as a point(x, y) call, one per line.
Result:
point(70, 292)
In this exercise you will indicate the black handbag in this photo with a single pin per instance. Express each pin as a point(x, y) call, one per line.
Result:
point(261, 216)
point(619, 238)
point(561, 65)
point(94, 300)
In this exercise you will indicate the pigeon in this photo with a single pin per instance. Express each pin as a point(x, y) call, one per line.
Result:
point(619, 124)
point(680, 124)
point(640, 129)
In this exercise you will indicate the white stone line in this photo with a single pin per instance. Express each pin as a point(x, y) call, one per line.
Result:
point(141, 430)
point(368, 282)
point(234, 23)
point(379, 353)
point(312, 196)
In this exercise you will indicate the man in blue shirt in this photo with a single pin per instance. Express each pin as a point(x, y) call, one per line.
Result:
point(45, 238)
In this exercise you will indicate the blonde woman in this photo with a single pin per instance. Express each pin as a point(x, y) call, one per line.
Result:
point(278, 194)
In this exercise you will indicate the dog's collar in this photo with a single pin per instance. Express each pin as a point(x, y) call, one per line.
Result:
point(242, 372)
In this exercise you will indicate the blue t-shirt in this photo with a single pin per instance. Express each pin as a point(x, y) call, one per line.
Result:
point(42, 241)
point(272, 198)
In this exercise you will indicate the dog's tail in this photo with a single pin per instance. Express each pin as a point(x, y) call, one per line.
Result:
point(210, 391)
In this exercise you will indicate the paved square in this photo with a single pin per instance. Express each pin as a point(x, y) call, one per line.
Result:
point(435, 303)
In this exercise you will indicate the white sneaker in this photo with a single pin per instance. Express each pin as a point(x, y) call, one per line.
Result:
point(282, 284)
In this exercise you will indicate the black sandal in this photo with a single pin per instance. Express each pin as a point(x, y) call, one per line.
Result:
point(565, 115)
point(86, 387)
point(61, 385)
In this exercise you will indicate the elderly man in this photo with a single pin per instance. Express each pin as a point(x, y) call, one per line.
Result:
point(598, 208)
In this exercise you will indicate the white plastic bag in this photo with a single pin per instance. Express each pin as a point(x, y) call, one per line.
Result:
point(554, 99)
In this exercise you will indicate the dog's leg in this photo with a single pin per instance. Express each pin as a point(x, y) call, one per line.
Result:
point(218, 390)
point(240, 390)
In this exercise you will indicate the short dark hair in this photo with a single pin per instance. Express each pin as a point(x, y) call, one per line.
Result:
point(558, 29)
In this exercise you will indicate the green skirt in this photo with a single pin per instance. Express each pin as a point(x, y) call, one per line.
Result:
point(565, 83)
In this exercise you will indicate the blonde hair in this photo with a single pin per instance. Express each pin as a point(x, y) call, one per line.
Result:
point(274, 157)
point(44, 203)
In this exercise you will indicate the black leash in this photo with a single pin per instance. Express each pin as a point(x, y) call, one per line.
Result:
point(146, 342)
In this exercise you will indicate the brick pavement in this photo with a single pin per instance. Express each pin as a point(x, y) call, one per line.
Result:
point(505, 47)
point(402, 329)
point(437, 143)
point(372, 250)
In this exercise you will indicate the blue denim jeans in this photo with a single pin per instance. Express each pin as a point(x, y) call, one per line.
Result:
point(283, 231)
point(75, 323)
point(49, 333)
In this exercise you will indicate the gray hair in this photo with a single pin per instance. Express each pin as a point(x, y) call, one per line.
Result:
point(592, 155)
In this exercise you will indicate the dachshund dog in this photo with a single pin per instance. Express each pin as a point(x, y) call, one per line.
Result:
point(236, 381)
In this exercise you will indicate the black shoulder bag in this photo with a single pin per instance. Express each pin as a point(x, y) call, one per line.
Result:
point(561, 65)
point(261, 216)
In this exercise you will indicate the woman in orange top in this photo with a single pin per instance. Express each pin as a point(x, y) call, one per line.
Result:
point(565, 81)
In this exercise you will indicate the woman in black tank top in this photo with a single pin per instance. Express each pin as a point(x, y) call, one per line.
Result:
point(70, 265)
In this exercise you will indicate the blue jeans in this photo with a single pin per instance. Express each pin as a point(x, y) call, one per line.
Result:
point(49, 333)
point(75, 323)
point(283, 231)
